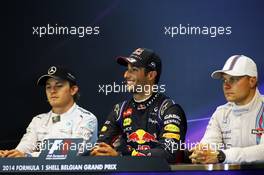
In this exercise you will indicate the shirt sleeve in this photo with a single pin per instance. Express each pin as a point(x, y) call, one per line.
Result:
point(110, 130)
point(213, 131)
point(28, 143)
point(213, 136)
point(251, 154)
point(88, 129)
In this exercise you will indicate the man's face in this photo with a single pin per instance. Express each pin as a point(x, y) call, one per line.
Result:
point(59, 92)
point(237, 89)
point(136, 78)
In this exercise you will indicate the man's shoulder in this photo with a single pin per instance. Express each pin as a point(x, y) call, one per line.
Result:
point(225, 107)
point(119, 107)
point(41, 117)
point(122, 103)
point(85, 113)
point(262, 97)
point(168, 103)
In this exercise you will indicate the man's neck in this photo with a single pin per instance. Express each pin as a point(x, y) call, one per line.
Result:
point(141, 97)
point(61, 110)
point(248, 99)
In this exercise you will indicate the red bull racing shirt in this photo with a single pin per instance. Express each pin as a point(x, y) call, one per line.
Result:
point(155, 127)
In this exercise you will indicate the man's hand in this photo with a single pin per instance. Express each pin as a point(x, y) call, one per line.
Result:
point(14, 153)
point(3, 152)
point(103, 149)
point(203, 154)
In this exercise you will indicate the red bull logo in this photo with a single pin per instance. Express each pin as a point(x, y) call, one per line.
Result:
point(141, 137)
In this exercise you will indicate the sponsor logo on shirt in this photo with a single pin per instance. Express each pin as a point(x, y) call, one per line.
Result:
point(172, 128)
point(127, 113)
point(172, 116)
point(141, 137)
point(104, 128)
point(171, 136)
point(258, 131)
point(127, 122)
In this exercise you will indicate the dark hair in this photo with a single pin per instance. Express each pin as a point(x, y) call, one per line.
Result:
point(76, 96)
point(157, 78)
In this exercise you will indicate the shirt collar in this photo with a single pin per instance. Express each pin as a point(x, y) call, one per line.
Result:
point(145, 104)
point(65, 114)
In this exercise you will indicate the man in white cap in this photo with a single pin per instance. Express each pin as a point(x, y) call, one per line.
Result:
point(235, 132)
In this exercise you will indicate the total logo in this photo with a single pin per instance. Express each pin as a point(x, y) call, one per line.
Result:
point(127, 122)
point(140, 136)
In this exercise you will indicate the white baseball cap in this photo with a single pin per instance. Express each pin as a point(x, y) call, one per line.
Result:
point(237, 65)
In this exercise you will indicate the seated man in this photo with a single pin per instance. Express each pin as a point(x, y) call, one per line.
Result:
point(65, 120)
point(235, 130)
point(148, 124)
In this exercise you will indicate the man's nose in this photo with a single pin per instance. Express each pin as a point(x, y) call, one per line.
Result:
point(227, 85)
point(53, 89)
point(126, 74)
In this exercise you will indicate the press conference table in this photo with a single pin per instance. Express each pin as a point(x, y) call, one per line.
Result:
point(120, 165)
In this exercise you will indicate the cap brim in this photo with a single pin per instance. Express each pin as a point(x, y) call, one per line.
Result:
point(42, 80)
point(219, 73)
point(123, 61)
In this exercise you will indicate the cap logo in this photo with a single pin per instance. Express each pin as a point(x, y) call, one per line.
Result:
point(131, 60)
point(52, 70)
point(138, 51)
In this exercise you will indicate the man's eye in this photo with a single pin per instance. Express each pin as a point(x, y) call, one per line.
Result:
point(232, 79)
point(59, 85)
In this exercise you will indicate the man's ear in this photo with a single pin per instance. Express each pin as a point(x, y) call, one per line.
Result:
point(152, 75)
point(253, 82)
point(74, 90)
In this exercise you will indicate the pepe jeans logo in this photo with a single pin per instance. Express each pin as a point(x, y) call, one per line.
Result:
point(52, 70)
point(138, 51)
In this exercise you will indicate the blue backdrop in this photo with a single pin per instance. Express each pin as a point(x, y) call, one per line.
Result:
point(188, 59)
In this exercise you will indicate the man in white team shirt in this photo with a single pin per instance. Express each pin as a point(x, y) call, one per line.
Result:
point(235, 131)
point(65, 120)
